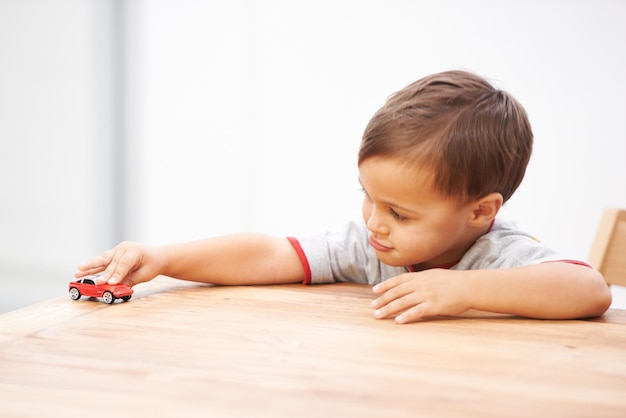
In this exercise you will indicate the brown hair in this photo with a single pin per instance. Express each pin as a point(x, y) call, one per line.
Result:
point(475, 138)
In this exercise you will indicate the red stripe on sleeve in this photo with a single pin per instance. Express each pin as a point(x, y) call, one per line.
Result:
point(305, 263)
point(578, 262)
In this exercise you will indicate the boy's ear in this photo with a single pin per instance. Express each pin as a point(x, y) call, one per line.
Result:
point(486, 208)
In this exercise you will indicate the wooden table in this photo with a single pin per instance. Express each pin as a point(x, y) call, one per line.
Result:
point(184, 350)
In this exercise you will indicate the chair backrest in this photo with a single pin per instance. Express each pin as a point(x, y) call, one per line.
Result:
point(608, 253)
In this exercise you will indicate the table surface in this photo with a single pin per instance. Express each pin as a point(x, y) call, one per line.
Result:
point(293, 350)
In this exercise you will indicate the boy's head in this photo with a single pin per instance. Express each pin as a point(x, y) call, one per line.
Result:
point(473, 138)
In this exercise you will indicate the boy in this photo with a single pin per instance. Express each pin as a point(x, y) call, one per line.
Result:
point(436, 164)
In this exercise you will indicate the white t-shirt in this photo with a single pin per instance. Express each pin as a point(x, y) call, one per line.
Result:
point(345, 255)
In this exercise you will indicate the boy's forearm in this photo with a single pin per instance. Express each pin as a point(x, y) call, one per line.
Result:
point(233, 259)
point(553, 290)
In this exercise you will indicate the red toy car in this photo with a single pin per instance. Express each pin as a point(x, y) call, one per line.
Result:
point(108, 292)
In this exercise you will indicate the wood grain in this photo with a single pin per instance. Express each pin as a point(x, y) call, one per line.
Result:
point(309, 351)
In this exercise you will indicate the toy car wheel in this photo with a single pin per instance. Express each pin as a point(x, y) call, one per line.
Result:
point(108, 297)
point(74, 293)
point(126, 298)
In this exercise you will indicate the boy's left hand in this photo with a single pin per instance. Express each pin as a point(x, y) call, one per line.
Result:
point(414, 296)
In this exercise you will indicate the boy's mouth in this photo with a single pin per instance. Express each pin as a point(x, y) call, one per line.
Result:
point(377, 245)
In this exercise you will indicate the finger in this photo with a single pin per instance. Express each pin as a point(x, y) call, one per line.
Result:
point(95, 265)
point(124, 260)
point(391, 293)
point(413, 314)
point(388, 284)
point(397, 306)
point(82, 272)
point(382, 287)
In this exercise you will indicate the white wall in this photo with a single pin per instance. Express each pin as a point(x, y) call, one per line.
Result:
point(55, 143)
point(247, 115)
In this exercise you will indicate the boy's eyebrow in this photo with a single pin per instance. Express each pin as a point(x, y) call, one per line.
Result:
point(394, 205)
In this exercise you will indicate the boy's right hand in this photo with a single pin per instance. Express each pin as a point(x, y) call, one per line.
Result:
point(129, 263)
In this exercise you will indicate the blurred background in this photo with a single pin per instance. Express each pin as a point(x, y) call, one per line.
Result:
point(170, 120)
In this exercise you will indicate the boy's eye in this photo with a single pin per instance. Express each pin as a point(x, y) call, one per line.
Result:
point(396, 215)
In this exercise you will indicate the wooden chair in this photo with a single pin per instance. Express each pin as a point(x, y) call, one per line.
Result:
point(608, 253)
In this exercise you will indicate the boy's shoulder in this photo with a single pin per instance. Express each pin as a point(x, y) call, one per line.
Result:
point(504, 228)
point(506, 246)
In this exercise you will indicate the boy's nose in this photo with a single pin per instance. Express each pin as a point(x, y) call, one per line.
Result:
point(375, 223)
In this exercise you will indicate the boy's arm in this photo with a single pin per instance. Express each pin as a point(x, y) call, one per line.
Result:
point(231, 259)
point(555, 290)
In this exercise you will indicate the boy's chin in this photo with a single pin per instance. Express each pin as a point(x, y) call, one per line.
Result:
point(390, 261)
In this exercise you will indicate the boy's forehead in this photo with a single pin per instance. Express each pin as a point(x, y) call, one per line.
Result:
point(390, 174)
